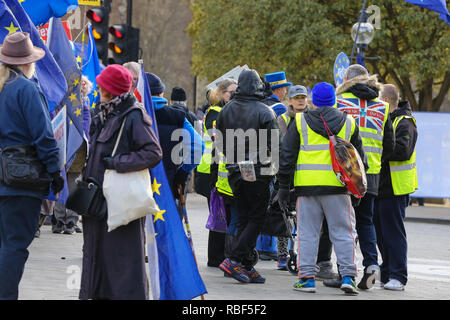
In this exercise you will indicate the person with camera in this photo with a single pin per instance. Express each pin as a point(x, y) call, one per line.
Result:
point(28, 147)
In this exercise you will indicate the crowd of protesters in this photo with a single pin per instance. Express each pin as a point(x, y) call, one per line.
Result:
point(290, 167)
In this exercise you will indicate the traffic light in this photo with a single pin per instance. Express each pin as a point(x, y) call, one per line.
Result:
point(100, 22)
point(125, 46)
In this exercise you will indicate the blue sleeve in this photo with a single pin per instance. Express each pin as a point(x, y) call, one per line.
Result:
point(194, 145)
point(279, 109)
point(39, 125)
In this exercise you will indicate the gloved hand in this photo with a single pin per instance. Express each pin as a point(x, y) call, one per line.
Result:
point(283, 198)
point(57, 182)
point(180, 177)
point(108, 162)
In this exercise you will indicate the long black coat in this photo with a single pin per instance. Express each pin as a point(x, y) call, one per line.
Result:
point(114, 262)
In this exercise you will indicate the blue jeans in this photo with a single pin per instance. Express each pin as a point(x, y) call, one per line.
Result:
point(366, 230)
point(19, 218)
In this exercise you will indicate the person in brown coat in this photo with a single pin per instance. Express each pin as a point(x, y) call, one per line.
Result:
point(114, 262)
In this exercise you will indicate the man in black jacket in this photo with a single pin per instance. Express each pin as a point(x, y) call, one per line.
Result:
point(305, 151)
point(398, 178)
point(247, 127)
point(358, 96)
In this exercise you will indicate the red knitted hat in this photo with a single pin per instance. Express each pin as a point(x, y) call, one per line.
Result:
point(115, 79)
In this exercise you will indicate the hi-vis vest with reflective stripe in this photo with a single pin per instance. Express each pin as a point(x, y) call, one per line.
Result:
point(404, 173)
point(222, 184)
point(286, 118)
point(314, 166)
point(371, 117)
point(205, 163)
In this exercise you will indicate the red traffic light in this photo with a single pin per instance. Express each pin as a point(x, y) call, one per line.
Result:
point(96, 15)
point(118, 31)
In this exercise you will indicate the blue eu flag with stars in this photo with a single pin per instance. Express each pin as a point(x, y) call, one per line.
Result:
point(40, 11)
point(87, 60)
point(51, 79)
point(173, 269)
point(62, 51)
point(435, 5)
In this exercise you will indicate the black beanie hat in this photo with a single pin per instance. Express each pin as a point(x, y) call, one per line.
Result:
point(178, 94)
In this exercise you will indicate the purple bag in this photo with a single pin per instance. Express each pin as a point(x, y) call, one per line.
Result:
point(217, 217)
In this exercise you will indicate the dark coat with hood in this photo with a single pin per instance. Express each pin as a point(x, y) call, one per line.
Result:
point(290, 148)
point(405, 143)
point(114, 262)
point(246, 111)
point(368, 88)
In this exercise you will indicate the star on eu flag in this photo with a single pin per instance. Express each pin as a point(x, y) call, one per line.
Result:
point(12, 28)
point(78, 112)
point(159, 215)
point(156, 186)
point(73, 97)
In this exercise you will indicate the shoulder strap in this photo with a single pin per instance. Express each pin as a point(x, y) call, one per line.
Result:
point(118, 137)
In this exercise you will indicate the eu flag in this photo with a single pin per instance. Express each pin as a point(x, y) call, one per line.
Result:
point(87, 59)
point(40, 11)
point(435, 5)
point(173, 269)
point(51, 79)
point(61, 49)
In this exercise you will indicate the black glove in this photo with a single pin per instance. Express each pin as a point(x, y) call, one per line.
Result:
point(180, 177)
point(57, 182)
point(283, 198)
point(108, 162)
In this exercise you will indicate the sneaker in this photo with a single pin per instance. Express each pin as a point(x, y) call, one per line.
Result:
point(333, 283)
point(58, 227)
point(38, 233)
point(282, 263)
point(255, 277)
point(69, 230)
point(267, 256)
point(234, 270)
point(305, 285)
point(349, 285)
point(326, 271)
point(369, 277)
point(394, 285)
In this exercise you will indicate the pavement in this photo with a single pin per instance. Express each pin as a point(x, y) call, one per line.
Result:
point(54, 266)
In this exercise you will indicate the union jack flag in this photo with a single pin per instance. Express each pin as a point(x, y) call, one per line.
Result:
point(368, 114)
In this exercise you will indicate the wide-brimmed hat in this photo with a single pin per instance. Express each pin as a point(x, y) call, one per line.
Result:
point(17, 49)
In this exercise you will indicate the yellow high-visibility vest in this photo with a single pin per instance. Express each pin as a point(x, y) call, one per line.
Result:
point(372, 116)
point(314, 167)
point(205, 162)
point(222, 184)
point(404, 173)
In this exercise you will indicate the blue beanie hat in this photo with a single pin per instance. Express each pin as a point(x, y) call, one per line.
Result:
point(155, 83)
point(323, 95)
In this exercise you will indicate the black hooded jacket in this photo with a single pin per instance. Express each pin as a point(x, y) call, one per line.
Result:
point(405, 142)
point(246, 112)
point(335, 120)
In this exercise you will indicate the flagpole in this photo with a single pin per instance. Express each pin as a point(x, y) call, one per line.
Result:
point(188, 228)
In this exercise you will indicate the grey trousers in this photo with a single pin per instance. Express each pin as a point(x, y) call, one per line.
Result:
point(65, 216)
point(340, 216)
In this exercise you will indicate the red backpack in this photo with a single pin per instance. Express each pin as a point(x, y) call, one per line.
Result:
point(347, 164)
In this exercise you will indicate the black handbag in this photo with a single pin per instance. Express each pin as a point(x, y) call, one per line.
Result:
point(87, 200)
point(22, 169)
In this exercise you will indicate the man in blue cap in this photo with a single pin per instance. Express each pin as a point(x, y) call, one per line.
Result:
point(305, 150)
point(278, 85)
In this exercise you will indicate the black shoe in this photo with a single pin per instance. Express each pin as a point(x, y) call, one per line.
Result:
point(369, 277)
point(58, 227)
point(78, 229)
point(69, 230)
point(333, 283)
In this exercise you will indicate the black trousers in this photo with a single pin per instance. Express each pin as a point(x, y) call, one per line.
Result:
point(252, 200)
point(391, 237)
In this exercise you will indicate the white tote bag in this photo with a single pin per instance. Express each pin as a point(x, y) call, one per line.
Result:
point(128, 195)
